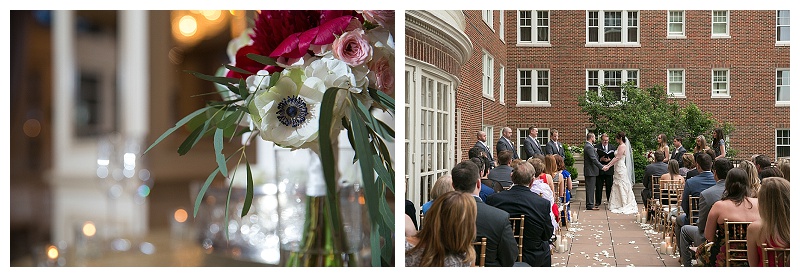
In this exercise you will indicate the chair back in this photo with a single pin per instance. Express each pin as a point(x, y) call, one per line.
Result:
point(735, 242)
point(518, 226)
point(694, 209)
point(480, 251)
point(774, 256)
point(421, 219)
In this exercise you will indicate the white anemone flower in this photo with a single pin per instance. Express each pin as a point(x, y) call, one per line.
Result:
point(288, 113)
point(336, 73)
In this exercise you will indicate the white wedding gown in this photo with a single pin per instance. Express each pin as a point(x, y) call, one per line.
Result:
point(622, 200)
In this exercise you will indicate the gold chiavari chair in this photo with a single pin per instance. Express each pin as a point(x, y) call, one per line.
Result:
point(694, 209)
point(480, 251)
point(774, 256)
point(735, 242)
point(421, 219)
point(518, 226)
point(654, 203)
point(673, 190)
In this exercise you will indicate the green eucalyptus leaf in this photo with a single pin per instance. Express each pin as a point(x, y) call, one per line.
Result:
point(237, 69)
point(387, 129)
point(193, 138)
point(218, 152)
point(262, 59)
point(215, 79)
point(383, 174)
point(248, 198)
point(203, 190)
point(383, 99)
point(177, 125)
point(329, 162)
point(244, 92)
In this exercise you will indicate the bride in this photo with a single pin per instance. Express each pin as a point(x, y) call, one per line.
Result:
point(622, 200)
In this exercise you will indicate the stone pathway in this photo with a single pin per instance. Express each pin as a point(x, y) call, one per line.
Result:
point(604, 239)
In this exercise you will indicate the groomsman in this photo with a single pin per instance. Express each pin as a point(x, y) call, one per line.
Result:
point(531, 145)
point(504, 143)
point(481, 143)
point(554, 147)
point(679, 150)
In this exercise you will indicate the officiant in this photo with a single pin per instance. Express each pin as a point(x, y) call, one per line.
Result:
point(605, 152)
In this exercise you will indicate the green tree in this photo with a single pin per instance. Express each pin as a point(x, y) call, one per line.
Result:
point(645, 113)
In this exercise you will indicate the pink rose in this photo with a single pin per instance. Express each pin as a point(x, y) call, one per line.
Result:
point(383, 76)
point(382, 18)
point(353, 48)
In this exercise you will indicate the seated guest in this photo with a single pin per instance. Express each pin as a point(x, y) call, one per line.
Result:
point(487, 169)
point(694, 171)
point(692, 235)
point(699, 183)
point(519, 200)
point(672, 172)
point(688, 165)
point(410, 229)
point(411, 211)
point(752, 173)
point(442, 185)
point(447, 237)
point(492, 223)
point(761, 162)
point(771, 172)
point(656, 168)
point(540, 188)
point(783, 165)
point(502, 172)
point(485, 190)
point(565, 189)
point(735, 205)
point(773, 226)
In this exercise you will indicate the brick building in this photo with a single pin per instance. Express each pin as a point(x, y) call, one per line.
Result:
point(527, 68)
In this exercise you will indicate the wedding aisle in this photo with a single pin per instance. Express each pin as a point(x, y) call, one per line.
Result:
point(604, 239)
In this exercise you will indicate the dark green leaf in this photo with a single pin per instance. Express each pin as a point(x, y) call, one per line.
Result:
point(383, 99)
point(262, 59)
point(244, 92)
point(193, 138)
point(274, 79)
point(383, 174)
point(203, 190)
point(372, 123)
point(218, 152)
point(327, 158)
point(215, 79)
point(240, 70)
point(387, 129)
point(362, 146)
point(177, 125)
point(248, 198)
point(230, 118)
point(223, 103)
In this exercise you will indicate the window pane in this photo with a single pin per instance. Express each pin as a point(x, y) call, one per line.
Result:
point(593, 23)
point(783, 33)
point(543, 94)
point(542, 34)
point(633, 34)
point(593, 34)
point(525, 34)
point(783, 93)
point(783, 77)
point(783, 151)
point(719, 28)
point(525, 94)
point(676, 27)
point(613, 27)
point(676, 88)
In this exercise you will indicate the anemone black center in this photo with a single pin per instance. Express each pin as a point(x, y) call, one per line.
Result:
point(292, 111)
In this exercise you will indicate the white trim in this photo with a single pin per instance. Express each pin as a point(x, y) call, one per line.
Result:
point(727, 83)
point(782, 103)
point(502, 29)
point(487, 89)
point(450, 27)
point(534, 42)
point(682, 34)
point(683, 84)
point(488, 18)
point(779, 42)
point(727, 33)
point(623, 29)
point(534, 84)
point(502, 89)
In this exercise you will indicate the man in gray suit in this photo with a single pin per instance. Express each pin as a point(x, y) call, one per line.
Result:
point(591, 168)
point(554, 147)
point(692, 235)
point(502, 173)
point(504, 143)
point(531, 145)
point(492, 223)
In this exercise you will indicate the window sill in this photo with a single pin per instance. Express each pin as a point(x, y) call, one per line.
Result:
point(781, 43)
point(488, 97)
point(782, 104)
point(720, 36)
point(721, 96)
point(677, 96)
point(676, 36)
point(533, 44)
point(612, 44)
point(531, 104)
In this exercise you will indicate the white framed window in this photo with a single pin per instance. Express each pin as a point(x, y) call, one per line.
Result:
point(782, 87)
point(675, 83)
point(782, 27)
point(782, 143)
point(542, 137)
point(430, 130)
point(502, 89)
point(676, 24)
point(488, 76)
point(502, 22)
point(612, 28)
point(533, 87)
point(534, 28)
point(612, 79)
point(720, 83)
point(489, 130)
point(720, 26)
point(488, 17)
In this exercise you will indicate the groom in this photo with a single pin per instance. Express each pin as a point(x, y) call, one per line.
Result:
point(591, 168)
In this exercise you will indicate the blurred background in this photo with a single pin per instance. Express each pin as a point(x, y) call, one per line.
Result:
point(91, 90)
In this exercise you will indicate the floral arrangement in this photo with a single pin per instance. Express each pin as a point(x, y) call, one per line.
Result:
point(298, 78)
point(651, 156)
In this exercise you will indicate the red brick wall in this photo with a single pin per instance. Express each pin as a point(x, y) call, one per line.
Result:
point(469, 94)
point(750, 54)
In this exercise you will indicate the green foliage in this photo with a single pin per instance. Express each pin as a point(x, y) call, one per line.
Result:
point(569, 160)
point(646, 113)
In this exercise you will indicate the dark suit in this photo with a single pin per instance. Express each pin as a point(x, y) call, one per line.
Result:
point(653, 169)
point(606, 178)
point(538, 227)
point(488, 153)
point(554, 148)
point(503, 144)
point(493, 223)
point(501, 174)
point(677, 155)
point(591, 168)
point(531, 147)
